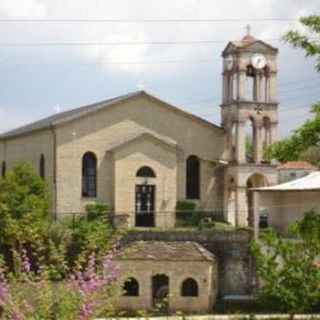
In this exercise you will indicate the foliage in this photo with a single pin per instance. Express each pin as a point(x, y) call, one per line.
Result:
point(290, 269)
point(91, 236)
point(302, 139)
point(97, 211)
point(304, 142)
point(305, 41)
point(185, 206)
point(85, 295)
point(72, 241)
point(24, 205)
point(184, 213)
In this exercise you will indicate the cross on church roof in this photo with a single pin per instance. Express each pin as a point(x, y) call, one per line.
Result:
point(140, 86)
point(248, 28)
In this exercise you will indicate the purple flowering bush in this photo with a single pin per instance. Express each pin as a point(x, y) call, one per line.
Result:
point(87, 293)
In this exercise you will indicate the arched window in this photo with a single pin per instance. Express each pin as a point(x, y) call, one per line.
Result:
point(250, 140)
point(189, 288)
point(131, 288)
point(42, 167)
point(146, 172)
point(193, 178)
point(3, 169)
point(89, 175)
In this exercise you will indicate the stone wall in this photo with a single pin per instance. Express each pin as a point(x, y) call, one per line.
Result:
point(231, 249)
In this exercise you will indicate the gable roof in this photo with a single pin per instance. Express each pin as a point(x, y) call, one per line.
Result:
point(70, 115)
point(165, 251)
point(246, 42)
point(148, 134)
point(297, 165)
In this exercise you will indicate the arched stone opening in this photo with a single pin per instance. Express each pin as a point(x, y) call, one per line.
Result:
point(193, 177)
point(250, 140)
point(42, 168)
point(257, 84)
point(254, 181)
point(233, 142)
point(131, 288)
point(146, 172)
point(266, 131)
point(160, 291)
point(89, 175)
point(189, 288)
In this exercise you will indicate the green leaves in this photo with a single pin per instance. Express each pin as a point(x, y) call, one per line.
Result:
point(305, 42)
point(24, 205)
point(289, 268)
point(304, 142)
point(302, 139)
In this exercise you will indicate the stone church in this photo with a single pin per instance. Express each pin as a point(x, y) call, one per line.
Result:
point(142, 155)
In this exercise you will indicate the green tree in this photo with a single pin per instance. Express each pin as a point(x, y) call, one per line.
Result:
point(290, 269)
point(303, 139)
point(304, 142)
point(308, 42)
point(24, 205)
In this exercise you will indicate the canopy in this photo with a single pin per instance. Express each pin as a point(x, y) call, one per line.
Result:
point(311, 182)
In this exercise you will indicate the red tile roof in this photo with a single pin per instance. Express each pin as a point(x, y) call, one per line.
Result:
point(297, 165)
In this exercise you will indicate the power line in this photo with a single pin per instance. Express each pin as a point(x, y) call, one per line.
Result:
point(212, 99)
point(104, 63)
point(297, 81)
point(300, 97)
point(280, 109)
point(117, 43)
point(205, 20)
point(80, 64)
point(303, 88)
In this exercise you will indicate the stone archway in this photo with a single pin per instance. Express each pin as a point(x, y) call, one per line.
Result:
point(254, 181)
point(160, 292)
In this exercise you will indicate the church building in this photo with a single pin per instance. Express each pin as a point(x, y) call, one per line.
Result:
point(142, 155)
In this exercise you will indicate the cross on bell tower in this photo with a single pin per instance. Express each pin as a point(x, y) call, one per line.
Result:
point(249, 115)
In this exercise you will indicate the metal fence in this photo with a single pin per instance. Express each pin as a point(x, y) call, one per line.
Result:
point(146, 219)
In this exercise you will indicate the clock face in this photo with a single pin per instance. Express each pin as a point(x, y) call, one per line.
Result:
point(229, 62)
point(258, 61)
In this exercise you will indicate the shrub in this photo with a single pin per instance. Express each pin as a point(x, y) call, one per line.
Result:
point(188, 216)
point(99, 210)
point(289, 269)
point(24, 205)
point(184, 213)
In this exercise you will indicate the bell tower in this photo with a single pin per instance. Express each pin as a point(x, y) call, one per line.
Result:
point(249, 115)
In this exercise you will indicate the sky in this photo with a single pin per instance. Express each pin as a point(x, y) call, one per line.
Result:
point(39, 80)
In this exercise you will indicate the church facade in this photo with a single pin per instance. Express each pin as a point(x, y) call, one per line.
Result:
point(142, 155)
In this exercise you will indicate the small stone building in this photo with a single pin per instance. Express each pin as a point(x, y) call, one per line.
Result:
point(168, 275)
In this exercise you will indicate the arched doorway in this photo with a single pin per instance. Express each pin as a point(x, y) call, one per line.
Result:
point(145, 197)
point(160, 292)
point(254, 181)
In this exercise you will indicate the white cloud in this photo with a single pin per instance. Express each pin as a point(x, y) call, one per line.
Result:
point(157, 77)
point(144, 32)
point(22, 9)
